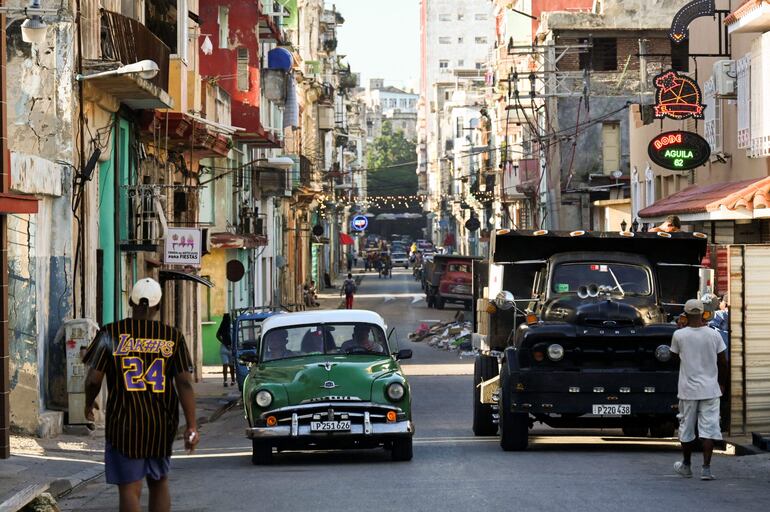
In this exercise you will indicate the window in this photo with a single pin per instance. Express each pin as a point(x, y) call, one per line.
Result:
point(618, 278)
point(443, 64)
point(460, 40)
point(680, 56)
point(243, 69)
point(445, 40)
point(482, 17)
point(224, 26)
point(481, 40)
point(744, 102)
point(353, 339)
point(480, 65)
point(603, 56)
point(445, 17)
point(460, 17)
point(611, 146)
point(460, 63)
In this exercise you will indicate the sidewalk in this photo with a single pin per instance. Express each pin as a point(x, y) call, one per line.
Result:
point(57, 466)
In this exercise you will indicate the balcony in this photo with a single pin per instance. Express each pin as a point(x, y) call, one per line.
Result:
point(126, 41)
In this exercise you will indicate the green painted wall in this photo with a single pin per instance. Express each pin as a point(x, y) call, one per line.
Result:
point(211, 343)
point(107, 242)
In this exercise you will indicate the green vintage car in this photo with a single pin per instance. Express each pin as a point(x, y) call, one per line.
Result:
point(327, 380)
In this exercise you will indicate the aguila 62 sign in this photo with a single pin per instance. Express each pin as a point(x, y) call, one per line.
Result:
point(679, 150)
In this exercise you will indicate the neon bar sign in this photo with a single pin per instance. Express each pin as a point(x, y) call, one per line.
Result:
point(679, 150)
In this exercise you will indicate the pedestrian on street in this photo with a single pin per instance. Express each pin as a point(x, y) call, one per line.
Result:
point(721, 321)
point(226, 349)
point(149, 372)
point(702, 372)
point(349, 288)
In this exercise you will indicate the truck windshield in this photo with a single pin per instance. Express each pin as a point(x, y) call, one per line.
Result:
point(627, 279)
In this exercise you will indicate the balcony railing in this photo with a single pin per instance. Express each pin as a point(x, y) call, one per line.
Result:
point(125, 40)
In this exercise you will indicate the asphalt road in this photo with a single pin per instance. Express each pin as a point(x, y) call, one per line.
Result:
point(451, 470)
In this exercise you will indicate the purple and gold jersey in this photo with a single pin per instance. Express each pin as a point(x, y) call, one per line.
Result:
point(140, 359)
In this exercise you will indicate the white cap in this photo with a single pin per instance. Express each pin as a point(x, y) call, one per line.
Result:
point(693, 307)
point(149, 289)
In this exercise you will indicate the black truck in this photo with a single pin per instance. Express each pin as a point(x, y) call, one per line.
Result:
point(574, 331)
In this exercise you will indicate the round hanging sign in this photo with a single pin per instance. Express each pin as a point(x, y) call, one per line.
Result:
point(360, 222)
point(234, 271)
point(472, 224)
point(679, 150)
point(318, 230)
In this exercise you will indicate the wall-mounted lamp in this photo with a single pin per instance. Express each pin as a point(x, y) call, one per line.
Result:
point(146, 69)
point(34, 29)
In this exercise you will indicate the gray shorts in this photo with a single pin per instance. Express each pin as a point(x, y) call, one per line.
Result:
point(705, 414)
point(225, 355)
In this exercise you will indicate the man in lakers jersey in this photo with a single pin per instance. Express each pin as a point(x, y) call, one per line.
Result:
point(148, 371)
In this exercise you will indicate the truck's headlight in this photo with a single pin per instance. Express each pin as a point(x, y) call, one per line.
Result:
point(663, 353)
point(395, 391)
point(555, 352)
point(264, 398)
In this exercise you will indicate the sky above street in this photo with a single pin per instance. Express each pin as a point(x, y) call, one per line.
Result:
point(381, 39)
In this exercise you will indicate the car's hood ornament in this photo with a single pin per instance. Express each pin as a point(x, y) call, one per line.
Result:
point(328, 365)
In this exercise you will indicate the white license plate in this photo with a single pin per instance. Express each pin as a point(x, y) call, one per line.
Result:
point(612, 409)
point(330, 426)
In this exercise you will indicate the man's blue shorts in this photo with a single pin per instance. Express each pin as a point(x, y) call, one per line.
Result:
point(120, 469)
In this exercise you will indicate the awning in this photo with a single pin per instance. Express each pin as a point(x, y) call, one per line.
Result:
point(346, 239)
point(178, 275)
point(734, 200)
point(208, 139)
point(233, 241)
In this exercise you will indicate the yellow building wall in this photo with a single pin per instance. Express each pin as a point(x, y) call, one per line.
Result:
point(213, 267)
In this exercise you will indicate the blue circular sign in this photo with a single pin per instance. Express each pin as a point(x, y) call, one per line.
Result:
point(360, 223)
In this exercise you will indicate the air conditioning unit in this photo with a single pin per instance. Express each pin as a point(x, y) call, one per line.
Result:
point(726, 78)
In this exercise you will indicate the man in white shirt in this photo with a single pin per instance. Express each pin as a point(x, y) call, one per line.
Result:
point(702, 373)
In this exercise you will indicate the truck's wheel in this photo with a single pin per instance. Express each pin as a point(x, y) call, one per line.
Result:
point(484, 368)
point(261, 452)
point(514, 426)
point(401, 450)
point(440, 303)
point(663, 428)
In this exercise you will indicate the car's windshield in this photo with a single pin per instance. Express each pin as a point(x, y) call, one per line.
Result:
point(304, 340)
point(620, 278)
point(249, 332)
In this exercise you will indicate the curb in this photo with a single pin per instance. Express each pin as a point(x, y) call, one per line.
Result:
point(57, 488)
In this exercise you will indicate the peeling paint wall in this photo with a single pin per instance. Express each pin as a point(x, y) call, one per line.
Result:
point(41, 141)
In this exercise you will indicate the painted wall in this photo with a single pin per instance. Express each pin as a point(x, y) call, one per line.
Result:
point(40, 116)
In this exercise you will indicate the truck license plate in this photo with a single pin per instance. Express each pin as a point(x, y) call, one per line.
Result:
point(612, 409)
point(330, 426)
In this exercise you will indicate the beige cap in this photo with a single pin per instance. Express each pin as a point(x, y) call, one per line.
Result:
point(149, 289)
point(693, 307)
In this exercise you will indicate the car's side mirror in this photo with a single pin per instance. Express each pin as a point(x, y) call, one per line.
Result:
point(405, 353)
point(248, 358)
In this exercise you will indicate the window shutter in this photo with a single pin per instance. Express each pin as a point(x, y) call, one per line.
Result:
point(243, 69)
point(760, 109)
point(713, 116)
point(744, 102)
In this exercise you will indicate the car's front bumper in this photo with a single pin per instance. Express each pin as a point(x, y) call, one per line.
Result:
point(374, 430)
point(367, 421)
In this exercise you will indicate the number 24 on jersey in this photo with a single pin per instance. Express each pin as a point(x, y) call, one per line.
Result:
point(137, 379)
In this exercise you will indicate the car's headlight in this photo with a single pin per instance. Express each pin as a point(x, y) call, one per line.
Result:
point(663, 353)
point(555, 352)
point(264, 398)
point(395, 391)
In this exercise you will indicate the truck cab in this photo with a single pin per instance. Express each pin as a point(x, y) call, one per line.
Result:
point(576, 331)
point(449, 279)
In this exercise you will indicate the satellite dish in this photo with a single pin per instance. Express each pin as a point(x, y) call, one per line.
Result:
point(235, 271)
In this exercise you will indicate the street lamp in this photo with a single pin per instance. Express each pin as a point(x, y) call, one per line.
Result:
point(34, 29)
point(146, 69)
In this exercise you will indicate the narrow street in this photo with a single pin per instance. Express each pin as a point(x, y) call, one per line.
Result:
point(451, 470)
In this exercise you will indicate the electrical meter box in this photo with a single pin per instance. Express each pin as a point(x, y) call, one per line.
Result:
point(78, 334)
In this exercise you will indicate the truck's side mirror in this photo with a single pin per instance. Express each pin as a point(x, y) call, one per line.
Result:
point(505, 300)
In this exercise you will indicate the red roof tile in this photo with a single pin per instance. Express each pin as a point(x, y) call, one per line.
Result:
point(743, 10)
point(735, 195)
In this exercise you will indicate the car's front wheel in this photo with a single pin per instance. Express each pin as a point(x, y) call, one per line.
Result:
point(401, 449)
point(261, 452)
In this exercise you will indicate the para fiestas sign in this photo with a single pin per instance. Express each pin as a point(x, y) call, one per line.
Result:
point(679, 150)
point(183, 247)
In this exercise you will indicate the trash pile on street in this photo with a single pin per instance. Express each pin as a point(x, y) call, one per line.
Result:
point(454, 335)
